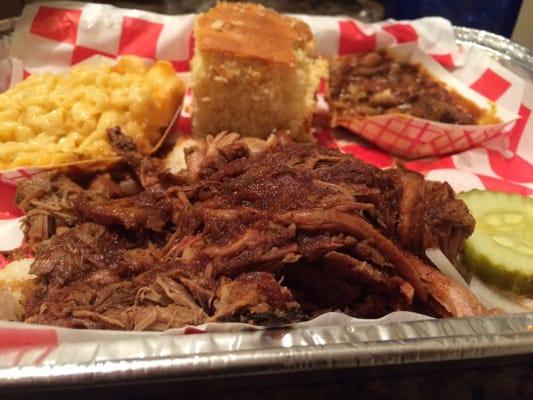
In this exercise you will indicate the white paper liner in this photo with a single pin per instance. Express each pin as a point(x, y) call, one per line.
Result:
point(327, 319)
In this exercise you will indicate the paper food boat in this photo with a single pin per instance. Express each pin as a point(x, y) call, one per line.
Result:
point(411, 137)
point(12, 176)
point(15, 175)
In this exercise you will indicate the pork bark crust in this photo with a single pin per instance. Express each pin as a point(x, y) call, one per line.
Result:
point(267, 237)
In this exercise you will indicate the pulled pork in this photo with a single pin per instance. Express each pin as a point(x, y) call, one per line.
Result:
point(269, 237)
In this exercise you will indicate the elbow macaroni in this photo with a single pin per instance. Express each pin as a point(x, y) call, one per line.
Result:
point(49, 119)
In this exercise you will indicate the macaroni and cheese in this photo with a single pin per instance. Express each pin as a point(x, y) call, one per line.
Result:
point(51, 119)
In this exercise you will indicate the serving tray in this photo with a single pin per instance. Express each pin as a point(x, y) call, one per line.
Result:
point(274, 351)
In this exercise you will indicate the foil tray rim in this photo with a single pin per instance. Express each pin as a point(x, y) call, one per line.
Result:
point(192, 357)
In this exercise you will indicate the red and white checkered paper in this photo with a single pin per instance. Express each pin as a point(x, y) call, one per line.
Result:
point(54, 36)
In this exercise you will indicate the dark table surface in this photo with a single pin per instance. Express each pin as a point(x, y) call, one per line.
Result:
point(497, 378)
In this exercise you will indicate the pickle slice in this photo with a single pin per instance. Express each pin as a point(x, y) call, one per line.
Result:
point(500, 250)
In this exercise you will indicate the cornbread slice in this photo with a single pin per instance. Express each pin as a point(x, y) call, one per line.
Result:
point(253, 72)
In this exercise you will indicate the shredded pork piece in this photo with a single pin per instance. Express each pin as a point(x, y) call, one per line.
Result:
point(269, 237)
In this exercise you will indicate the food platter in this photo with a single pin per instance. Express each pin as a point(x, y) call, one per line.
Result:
point(317, 347)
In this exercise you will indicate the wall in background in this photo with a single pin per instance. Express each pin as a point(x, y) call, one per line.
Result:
point(523, 30)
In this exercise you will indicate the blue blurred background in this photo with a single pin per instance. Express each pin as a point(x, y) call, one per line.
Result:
point(498, 16)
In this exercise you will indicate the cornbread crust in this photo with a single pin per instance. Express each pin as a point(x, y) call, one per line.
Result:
point(253, 72)
point(251, 31)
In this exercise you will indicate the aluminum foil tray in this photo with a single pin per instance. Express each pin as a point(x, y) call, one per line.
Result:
point(218, 355)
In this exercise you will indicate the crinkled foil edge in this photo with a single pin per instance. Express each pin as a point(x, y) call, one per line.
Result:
point(501, 48)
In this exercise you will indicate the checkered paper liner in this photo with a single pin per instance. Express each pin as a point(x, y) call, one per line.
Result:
point(54, 36)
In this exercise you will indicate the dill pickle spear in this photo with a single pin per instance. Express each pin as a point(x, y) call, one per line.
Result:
point(500, 250)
